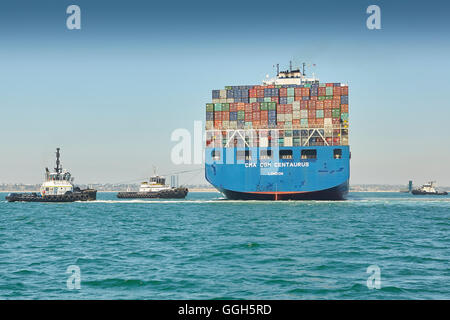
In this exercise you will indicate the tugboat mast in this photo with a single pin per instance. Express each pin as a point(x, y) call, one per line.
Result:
point(58, 169)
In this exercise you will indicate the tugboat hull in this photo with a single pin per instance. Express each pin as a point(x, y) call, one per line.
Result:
point(82, 195)
point(422, 193)
point(178, 193)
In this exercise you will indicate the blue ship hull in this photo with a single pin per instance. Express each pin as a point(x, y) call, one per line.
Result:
point(325, 177)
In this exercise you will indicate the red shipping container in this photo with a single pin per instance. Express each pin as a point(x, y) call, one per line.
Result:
point(311, 114)
point(217, 124)
point(283, 92)
point(322, 91)
point(233, 107)
point(313, 98)
point(255, 106)
point(256, 124)
point(274, 99)
point(335, 103)
point(280, 108)
point(312, 104)
point(329, 85)
point(344, 107)
point(241, 106)
point(303, 105)
point(260, 93)
point(298, 92)
point(336, 121)
point(225, 116)
point(298, 98)
point(256, 116)
point(295, 121)
point(336, 91)
point(319, 104)
point(288, 108)
point(344, 91)
point(328, 113)
point(271, 86)
point(252, 93)
point(248, 116)
point(327, 104)
point(319, 122)
point(336, 141)
point(248, 107)
point(280, 125)
point(218, 115)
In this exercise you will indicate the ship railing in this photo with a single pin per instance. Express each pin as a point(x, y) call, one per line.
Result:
point(269, 137)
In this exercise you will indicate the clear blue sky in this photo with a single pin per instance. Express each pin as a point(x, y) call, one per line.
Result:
point(111, 93)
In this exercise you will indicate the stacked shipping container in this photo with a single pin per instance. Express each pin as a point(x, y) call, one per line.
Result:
point(295, 110)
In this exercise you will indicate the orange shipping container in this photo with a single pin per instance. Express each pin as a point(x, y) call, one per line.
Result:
point(344, 91)
point(344, 107)
point(305, 92)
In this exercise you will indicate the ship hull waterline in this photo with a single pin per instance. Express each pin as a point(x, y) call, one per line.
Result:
point(84, 195)
point(179, 193)
point(336, 193)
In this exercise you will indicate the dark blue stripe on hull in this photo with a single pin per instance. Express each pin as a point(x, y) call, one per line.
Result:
point(335, 193)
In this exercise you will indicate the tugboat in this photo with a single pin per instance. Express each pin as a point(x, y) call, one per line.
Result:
point(155, 188)
point(428, 189)
point(57, 187)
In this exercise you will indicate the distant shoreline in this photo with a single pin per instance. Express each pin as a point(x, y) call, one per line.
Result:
point(191, 190)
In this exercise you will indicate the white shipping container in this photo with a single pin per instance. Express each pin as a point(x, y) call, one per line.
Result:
point(225, 124)
point(296, 114)
point(233, 125)
point(209, 125)
point(223, 94)
point(280, 117)
point(288, 142)
point(327, 121)
point(263, 142)
point(303, 114)
point(288, 117)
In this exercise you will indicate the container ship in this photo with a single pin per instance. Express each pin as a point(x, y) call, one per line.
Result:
point(286, 139)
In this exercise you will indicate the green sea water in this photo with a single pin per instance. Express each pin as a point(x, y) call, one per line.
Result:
point(206, 247)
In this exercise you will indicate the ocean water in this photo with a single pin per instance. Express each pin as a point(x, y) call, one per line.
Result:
point(205, 247)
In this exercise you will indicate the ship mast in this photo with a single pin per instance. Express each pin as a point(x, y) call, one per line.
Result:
point(58, 169)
